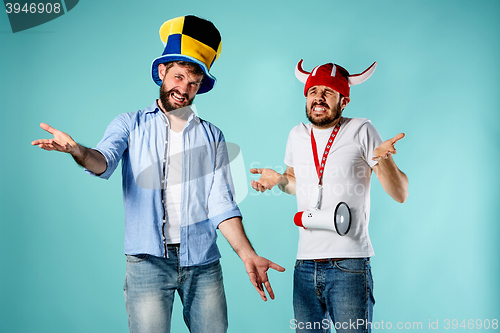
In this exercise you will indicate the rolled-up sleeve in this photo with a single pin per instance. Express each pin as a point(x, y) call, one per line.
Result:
point(369, 140)
point(113, 144)
point(221, 203)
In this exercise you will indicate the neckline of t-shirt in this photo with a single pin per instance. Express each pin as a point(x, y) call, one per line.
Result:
point(324, 131)
point(177, 134)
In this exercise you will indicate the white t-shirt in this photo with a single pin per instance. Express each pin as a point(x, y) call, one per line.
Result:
point(173, 191)
point(346, 178)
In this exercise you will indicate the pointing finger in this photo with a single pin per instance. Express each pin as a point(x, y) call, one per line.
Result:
point(255, 170)
point(398, 137)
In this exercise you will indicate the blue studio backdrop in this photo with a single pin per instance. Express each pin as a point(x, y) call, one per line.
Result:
point(437, 80)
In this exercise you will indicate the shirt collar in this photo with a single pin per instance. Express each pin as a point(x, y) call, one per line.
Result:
point(154, 108)
point(309, 126)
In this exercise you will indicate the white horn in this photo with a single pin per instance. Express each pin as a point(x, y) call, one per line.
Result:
point(301, 74)
point(360, 78)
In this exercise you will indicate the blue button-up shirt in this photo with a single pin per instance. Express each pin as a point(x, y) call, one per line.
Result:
point(140, 140)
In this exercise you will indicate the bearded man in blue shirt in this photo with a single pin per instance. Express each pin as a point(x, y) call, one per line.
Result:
point(177, 190)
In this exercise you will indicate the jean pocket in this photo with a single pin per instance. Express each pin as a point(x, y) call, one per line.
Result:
point(298, 263)
point(351, 265)
point(370, 284)
point(137, 258)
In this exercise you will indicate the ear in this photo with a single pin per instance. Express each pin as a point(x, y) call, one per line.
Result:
point(161, 71)
point(344, 102)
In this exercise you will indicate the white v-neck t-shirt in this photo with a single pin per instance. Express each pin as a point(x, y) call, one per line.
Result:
point(173, 190)
point(346, 178)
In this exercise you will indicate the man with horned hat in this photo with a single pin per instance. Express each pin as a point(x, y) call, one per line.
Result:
point(177, 190)
point(332, 277)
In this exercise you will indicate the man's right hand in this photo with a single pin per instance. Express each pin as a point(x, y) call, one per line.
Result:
point(268, 179)
point(61, 142)
point(88, 158)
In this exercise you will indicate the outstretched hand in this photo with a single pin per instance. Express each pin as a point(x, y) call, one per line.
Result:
point(257, 272)
point(268, 179)
point(61, 142)
point(387, 149)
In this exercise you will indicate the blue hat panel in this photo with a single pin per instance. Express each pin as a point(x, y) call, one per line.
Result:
point(173, 45)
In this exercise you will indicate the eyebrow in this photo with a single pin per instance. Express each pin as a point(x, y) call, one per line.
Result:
point(196, 81)
point(326, 89)
point(189, 76)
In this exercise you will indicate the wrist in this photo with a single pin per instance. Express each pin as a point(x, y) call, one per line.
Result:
point(76, 150)
point(245, 250)
point(283, 181)
point(386, 162)
point(247, 256)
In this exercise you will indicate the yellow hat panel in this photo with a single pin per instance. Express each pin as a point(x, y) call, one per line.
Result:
point(171, 27)
point(193, 48)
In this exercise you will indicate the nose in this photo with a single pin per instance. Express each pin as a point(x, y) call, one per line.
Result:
point(183, 87)
point(319, 98)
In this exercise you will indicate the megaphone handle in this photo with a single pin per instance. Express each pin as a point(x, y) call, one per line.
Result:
point(319, 198)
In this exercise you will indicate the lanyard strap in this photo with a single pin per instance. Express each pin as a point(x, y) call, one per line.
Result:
point(320, 168)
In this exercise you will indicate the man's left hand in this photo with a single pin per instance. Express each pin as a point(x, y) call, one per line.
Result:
point(257, 271)
point(387, 149)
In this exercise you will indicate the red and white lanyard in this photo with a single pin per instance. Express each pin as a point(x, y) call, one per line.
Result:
point(320, 167)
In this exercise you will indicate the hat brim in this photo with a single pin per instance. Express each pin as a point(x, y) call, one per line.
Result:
point(208, 81)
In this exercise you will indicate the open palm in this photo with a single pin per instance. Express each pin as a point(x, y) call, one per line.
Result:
point(61, 142)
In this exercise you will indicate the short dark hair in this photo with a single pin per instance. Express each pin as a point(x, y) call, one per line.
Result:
point(193, 68)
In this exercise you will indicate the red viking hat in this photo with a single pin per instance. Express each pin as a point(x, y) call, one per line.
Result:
point(333, 76)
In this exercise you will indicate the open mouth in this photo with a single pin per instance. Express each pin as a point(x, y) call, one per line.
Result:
point(319, 108)
point(178, 97)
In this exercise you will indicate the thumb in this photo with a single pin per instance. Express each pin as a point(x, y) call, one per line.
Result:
point(255, 170)
point(47, 128)
point(276, 266)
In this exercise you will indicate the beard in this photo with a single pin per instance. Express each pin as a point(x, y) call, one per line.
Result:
point(164, 98)
point(325, 121)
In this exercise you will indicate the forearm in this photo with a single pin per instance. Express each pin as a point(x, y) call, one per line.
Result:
point(233, 231)
point(287, 184)
point(90, 159)
point(393, 180)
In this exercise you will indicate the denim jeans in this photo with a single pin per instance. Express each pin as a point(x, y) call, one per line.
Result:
point(333, 294)
point(150, 286)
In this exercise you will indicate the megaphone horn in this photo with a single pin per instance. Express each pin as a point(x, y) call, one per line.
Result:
point(338, 219)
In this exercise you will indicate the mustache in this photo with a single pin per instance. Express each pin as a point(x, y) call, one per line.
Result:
point(178, 93)
point(320, 104)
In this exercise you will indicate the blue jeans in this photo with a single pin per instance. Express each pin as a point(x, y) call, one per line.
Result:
point(150, 286)
point(333, 294)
